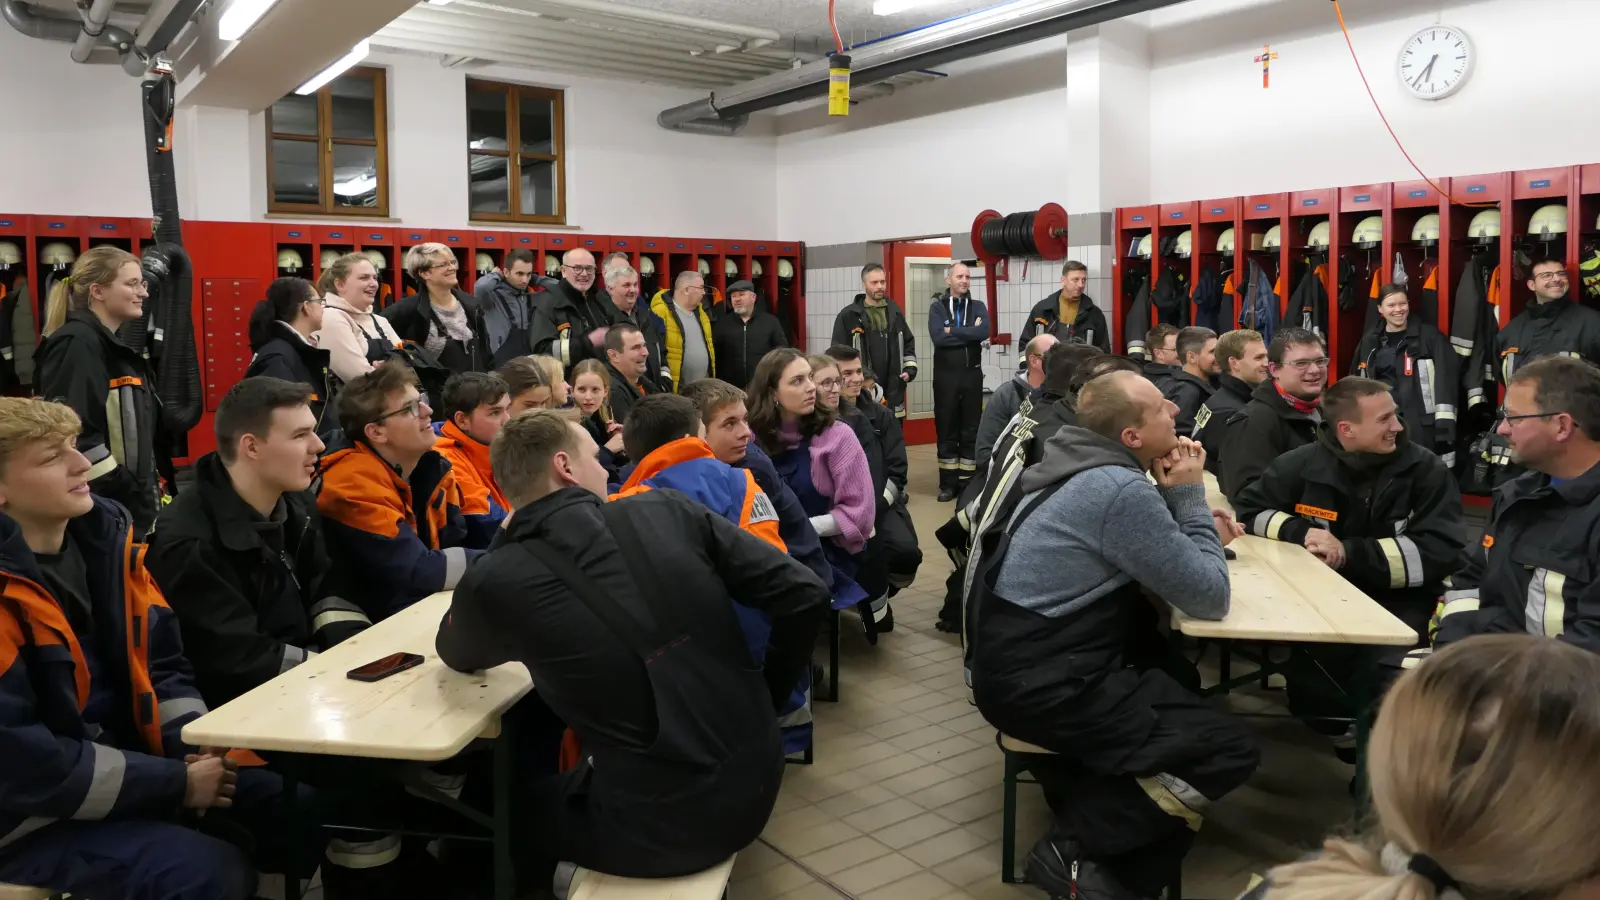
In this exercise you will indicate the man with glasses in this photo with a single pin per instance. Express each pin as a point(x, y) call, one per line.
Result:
point(571, 325)
point(1551, 324)
point(1536, 571)
point(390, 503)
point(1282, 413)
point(691, 353)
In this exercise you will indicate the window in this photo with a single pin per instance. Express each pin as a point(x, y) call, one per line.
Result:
point(328, 152)
point(514, 153)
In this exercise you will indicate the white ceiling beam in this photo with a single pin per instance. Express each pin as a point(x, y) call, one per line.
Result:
point(603, 9)
point(701, 38)
point(595, 66)
point(479, 43)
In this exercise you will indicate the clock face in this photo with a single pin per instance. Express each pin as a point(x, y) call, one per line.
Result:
point(1435, 62)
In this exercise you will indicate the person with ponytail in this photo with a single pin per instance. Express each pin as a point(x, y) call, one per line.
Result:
point(111, 387)
point(355, 337)
point(283, 331)
point(1483, 783)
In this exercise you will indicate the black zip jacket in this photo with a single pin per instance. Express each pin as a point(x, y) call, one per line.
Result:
point(741, 344)
point(1089, 328)
point(1264, 430)
point(563, 318)
point(961, 347)
point(892, 442)
point(292, 358)
point(696, 714)
point(1558, 328)
point(1161, 374)
point(1399, 517)
point(113, 391)
point(1538, 569)
point(623, 394)
point(1308, 302)
point(891, 354)
point(1472, 330)
point(248, 590)
point(413, 316)
point(1211, 422)
point(507, 318)
point(1421, 370)
point(1188, 393)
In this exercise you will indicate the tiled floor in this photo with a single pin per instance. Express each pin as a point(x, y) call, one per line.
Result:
point(903, 800)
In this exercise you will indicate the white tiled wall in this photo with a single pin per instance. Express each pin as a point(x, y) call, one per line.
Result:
point(827, 292)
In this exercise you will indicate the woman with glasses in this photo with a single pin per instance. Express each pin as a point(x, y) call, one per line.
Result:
point(441, 318)
point(283, 331)
point(1416, 361)
point(111, 387)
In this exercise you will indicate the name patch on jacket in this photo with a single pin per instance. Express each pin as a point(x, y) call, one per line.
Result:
point(762, 510)
point(1316, 512)
point(1488, 541)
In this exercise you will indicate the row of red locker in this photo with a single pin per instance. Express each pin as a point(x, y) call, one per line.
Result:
point(1424, 226)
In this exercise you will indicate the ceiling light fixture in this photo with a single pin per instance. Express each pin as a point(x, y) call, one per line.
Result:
point(240, 16)
point(441, 2)
point(356, 54)
point(894, 7)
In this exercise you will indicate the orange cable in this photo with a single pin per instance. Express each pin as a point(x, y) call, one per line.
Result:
point(833, 23)
point(1339, 11)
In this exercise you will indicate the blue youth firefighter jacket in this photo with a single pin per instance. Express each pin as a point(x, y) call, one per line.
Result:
point(56, 765)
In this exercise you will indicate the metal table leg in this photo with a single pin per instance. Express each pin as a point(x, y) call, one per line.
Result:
point(504, 870)
point(287, 770)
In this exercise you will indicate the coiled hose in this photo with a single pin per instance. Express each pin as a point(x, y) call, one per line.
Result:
point(168, 336)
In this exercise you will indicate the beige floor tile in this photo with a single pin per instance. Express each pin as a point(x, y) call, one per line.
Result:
point(921, 737)
point(973, 808)
point(884, 814)
point(945, 847)
point(950, 711)
point(888, 768)
point(973, 760)
point(788, 801)
point(851, 802)
point(881, 871)
point(896, 727)
point(775, 882)
point(820, 837)
point(814, 891)
point(847, 855)
point(923, 776)
point(753, 860)
point(917, 828)
point(921, 886)
point(954, 745)
point(796, 820)
point(973, 866)
point(899, 695)
point(948, 791)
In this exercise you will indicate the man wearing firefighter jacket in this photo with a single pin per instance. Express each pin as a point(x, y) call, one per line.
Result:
point(1282, 413)
point(874, 325)
point(1552, 324)
point(1368, 502)
point(958, 327)
point(1242, 362)
point(1538, 571)
point(1069, 313)
point(1415, 360)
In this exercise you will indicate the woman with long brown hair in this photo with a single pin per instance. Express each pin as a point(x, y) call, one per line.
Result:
point(352, 332)
point(1484, 787)
point(111, 387)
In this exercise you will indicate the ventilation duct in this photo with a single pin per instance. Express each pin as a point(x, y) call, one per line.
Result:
point(94, 30)
point(963, 37)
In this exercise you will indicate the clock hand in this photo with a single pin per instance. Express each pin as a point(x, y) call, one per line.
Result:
point(1425, 72)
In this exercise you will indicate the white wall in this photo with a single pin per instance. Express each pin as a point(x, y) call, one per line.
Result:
point(927, 159)
point(1215, 132)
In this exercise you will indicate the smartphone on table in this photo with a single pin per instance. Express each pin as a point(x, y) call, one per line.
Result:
point(379, 669)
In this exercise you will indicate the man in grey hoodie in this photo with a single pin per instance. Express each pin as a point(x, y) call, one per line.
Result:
point(1067, 654)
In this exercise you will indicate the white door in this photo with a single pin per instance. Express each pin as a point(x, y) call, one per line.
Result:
point(923, 278)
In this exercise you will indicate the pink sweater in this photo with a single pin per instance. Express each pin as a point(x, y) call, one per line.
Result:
point(839, 471)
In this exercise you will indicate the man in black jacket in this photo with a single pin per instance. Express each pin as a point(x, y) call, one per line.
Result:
point(627, 359)
point(1241, 357)
point(571, 324)
point(1195, 382)
point(958, 327)
point(622, 286)
point(682, 759)
point(1161, 342)
point(874, 325)
point(1551, 324)
point(1416, 361)
point(1282, 412)
point(507, 307)
point(744, 337)
point(1371, 504)
point(1069, 313)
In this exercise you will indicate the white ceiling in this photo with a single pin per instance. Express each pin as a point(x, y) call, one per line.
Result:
point(808, 19)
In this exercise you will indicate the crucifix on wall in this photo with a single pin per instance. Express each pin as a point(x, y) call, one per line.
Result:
point(1266, 58)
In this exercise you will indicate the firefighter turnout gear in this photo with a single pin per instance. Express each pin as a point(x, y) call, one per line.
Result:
point(957, 327)
point(890, 352)
point(1087, 327)
point(1419, 366)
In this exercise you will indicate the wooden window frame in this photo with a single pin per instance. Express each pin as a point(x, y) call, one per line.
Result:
point(558, 143)
point(325, 142)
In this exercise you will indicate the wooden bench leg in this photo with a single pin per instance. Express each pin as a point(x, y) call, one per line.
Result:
point(1008, 821)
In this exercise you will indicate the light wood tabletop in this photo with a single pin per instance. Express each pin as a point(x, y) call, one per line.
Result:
point(1280, 592)
point(707, 885)
point(1214, 495)
point(427, 713)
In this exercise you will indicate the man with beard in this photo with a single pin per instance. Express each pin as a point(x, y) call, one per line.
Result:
point(1282, 412)
point(1069, 313)
point(743, 337)
point(1196, 381)
point(875, 326)
point(1242, 360)
point(571, 325)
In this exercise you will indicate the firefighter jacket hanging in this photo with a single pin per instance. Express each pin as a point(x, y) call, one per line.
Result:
point(19, 336)
point(1557, 328)
point(889, 350)
point(1170, 297)
point(1213, 306)
point(1419, 365)
point(1538, 570)
point(1259, 311)
point(1136, 284)
point(1474, 323)
point(1088, 326)
point(1308, 305)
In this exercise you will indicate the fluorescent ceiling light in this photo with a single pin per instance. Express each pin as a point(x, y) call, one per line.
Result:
point(440, 2)
point(356, 186)
point(239, 16)
point(356, 54)
point(891, 7)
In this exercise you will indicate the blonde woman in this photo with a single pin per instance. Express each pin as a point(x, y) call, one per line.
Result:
point(441, 318)
point(1483, 779)
point(560, 391)
point(107, 383)
point(352, 332)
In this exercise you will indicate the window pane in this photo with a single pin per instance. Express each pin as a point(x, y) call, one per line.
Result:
point(538, 187)
point(538, 124)
point(354, 110)
point(355, 175)
point(491, 184)
point(486, 120)
point(294, 172)
point(295, 114)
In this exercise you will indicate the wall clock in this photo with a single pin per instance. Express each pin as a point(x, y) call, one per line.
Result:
point(1436, 61)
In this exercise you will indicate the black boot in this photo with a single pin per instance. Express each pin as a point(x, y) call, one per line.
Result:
point(946, 494)
point(1058, 868)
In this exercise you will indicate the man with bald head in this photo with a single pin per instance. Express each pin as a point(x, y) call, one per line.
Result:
point(572, 324)
point(691, 353)
point(959, 328)
point(1066, 651)
point(1013, 396)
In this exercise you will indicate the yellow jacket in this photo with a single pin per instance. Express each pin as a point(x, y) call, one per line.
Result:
point(661, 305)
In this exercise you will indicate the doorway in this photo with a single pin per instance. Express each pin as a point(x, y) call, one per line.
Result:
point(916, 276)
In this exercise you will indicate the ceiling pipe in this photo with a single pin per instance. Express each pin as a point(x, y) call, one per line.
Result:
point(639, 14)
point(95, 17)
point(962, 37)
point(46, 27)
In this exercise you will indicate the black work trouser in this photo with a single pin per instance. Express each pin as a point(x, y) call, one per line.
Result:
point(902, 556)
point(957, 406)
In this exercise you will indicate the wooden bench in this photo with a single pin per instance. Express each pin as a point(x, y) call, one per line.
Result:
point(707, 885)
point(18, 892)
point(1013, 750)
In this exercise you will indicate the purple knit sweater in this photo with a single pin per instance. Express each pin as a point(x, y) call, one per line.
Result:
point(839, 472)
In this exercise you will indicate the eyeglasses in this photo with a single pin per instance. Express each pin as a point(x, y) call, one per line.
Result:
point(1300, 365)
point(1557, 275)
point(412, 409)
point(137, 285)
point(580, 270)
point(1505, 416)
point(828, 384)
point(451, 264)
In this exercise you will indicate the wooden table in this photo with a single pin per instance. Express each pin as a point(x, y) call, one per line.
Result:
point(1214, 494)
point(427, 714)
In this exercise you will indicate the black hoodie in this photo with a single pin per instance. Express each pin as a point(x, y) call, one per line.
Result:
point(288, 355)
point(1265, 429)
point(1089, 328)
